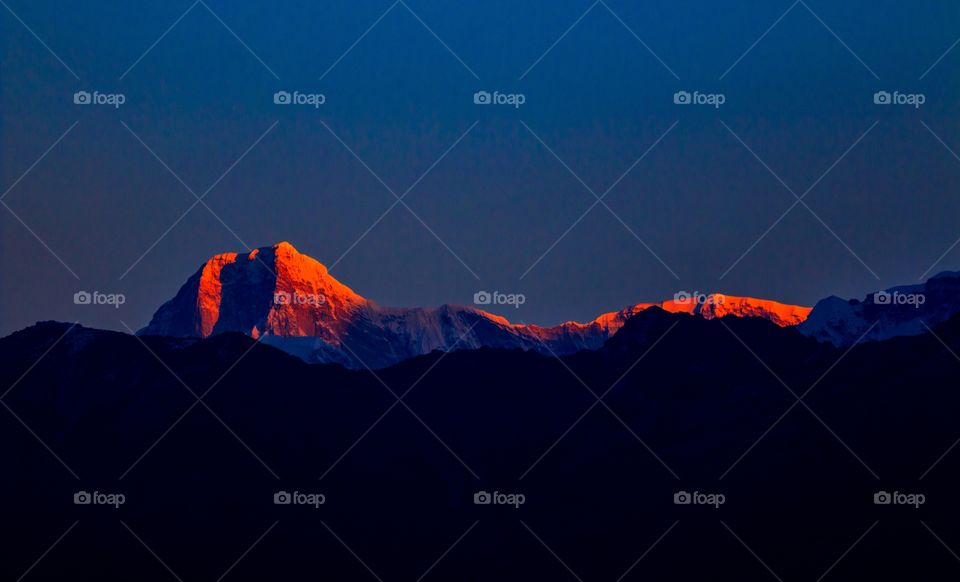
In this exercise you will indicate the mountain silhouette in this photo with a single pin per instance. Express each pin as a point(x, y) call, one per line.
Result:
point(255, 382)
point(689, 404)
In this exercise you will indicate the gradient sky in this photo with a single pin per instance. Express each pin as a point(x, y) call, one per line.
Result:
point(599, 99)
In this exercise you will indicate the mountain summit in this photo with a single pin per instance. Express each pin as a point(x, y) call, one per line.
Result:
point(272, 290)
point(291, 301)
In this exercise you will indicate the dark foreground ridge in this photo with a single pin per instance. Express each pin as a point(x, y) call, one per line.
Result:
point(689, 406)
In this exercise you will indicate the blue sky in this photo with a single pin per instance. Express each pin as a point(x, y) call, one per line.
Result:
point(798, 81)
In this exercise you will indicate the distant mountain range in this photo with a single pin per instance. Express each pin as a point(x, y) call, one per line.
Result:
point(194, 419)
point(291, 301)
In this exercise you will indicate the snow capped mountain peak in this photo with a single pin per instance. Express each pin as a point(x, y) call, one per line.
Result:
point(897, 311)
point(271, 290)
point(291, 301)
point(720, 305)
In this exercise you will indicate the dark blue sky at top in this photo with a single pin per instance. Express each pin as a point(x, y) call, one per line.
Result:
point(399, 99)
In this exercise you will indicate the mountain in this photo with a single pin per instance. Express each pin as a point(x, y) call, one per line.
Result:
point(898, 311)
point(291, 301)
point(700, 413)
point(717, 305)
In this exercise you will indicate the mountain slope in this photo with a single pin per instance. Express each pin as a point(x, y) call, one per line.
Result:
point(291, 301)
point(898, 311)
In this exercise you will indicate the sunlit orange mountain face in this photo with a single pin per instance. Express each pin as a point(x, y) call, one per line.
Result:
point(290, 300)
